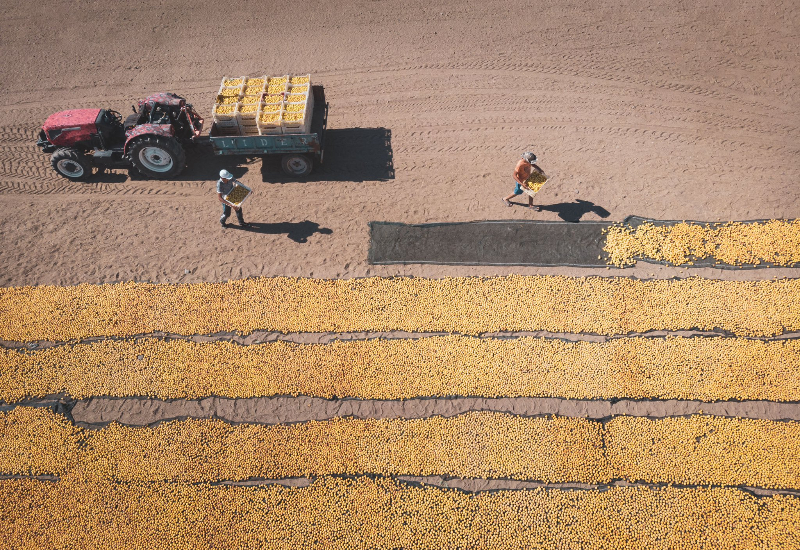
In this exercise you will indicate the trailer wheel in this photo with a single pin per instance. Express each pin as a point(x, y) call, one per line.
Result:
point(157, 156)
point(296, 165)
point(71, 164)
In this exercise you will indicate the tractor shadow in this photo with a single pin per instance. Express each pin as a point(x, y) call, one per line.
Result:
point(116, 175)
point(201, 165)
point(351, 154)
point(299, 232)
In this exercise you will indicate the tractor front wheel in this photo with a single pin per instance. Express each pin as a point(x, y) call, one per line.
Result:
point(157, 157)
point(71, 164)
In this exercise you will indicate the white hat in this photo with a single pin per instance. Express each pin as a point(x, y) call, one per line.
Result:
point(224, 174)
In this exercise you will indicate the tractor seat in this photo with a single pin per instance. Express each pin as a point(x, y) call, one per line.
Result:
point(130, 122)
point(159, 116)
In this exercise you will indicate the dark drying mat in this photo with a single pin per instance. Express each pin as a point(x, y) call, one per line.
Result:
point(535, 243)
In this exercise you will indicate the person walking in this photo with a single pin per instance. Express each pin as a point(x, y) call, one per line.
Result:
point(225, 185)
point(522, 171)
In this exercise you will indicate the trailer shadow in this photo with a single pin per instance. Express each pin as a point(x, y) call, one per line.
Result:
point(351, 154)
point(299, 232)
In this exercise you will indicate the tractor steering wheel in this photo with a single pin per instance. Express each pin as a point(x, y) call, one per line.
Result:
point(114, 118)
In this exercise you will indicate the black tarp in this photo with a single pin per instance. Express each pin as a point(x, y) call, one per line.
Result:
point(522, 242)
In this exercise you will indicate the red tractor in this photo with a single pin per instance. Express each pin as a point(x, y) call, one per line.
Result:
point(151, 140)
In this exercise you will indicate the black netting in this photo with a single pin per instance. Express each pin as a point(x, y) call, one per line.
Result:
point(532, 243)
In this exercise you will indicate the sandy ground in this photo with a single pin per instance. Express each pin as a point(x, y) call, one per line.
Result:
point(663, 109)
point(100, 411)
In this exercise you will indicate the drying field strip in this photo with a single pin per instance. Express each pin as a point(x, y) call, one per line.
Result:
point(166, 485)
point(701, 368)
point(594, 305)
point(697, 450)
point(383, 513)
point(775, 242)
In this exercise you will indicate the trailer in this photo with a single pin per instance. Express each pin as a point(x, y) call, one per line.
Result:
point(299, 152)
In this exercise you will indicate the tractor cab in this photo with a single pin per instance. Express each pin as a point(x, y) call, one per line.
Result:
point(110, 132)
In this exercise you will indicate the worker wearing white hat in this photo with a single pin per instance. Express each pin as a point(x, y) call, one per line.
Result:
point(522, 171)
point(225, 185)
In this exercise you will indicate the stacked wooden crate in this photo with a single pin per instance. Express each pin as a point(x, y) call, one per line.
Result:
point(264, 105)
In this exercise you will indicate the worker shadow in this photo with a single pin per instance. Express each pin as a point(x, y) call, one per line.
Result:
point(574, 211)
point(299, 232)
point(350, 154)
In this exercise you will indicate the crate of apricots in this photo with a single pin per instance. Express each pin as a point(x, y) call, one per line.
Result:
point(268, 118)
point(534, 182)
point(231, 86)
point(298, 105)
point(238, 194)
point(224, 111)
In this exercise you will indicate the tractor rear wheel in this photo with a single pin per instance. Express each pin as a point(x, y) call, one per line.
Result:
point(157, 157)
point(71, 164)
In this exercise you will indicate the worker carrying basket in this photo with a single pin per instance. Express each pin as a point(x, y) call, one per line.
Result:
point(529, 179)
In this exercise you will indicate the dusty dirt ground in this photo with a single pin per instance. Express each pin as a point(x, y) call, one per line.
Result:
point(687, 110)
point(665, 110)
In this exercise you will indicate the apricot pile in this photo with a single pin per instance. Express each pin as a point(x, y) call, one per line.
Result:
point(364, 512)
point(696, 450)
point(700, 368)
point(734, 243)
point(468, 305)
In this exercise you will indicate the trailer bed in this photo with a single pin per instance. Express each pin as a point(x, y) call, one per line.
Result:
point(223, 143)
